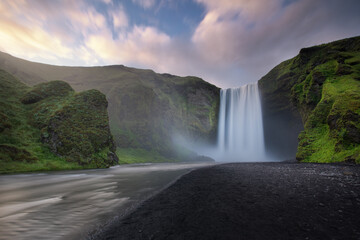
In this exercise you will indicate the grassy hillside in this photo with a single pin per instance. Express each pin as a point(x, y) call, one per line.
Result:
point(146, 109)
point(322, 83)
point(50, 127)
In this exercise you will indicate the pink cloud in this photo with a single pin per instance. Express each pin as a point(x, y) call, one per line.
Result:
point(235, 43)
point(142, 46)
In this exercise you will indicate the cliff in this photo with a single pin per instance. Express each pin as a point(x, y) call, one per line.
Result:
point(51, 127)
point(146, 109)
point(319, 88)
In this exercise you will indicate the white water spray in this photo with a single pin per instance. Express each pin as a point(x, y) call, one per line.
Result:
point(240, 130)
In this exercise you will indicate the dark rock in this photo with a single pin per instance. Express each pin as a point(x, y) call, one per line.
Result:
point(351, 116)
point(354, 63)
point(344, 70)
point(318, 78)
point(306, 53)
point(339, 146)
point(304, 143)
point(13, 153)
point(350, 121)
point(352, 134)
point(112, 158)
point(350, 160)
point(4, 122)
point(340, 58)
point(332, 120)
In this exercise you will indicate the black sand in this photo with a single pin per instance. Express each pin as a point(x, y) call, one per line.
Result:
point(250, 201)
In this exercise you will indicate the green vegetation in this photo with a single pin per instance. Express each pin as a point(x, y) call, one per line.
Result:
point(145, 108)
point(50, 127)
point(139, 155)
point(323, 82)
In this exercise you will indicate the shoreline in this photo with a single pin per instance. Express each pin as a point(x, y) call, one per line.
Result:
point(135, 206)
point(69, 205)
point(249, 201)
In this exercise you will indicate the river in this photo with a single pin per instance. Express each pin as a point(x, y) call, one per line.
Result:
point(70, 204)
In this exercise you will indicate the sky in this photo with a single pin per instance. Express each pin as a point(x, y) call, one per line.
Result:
point(228, 43)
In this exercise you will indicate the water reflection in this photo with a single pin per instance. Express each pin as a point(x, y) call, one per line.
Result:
point(66, 205)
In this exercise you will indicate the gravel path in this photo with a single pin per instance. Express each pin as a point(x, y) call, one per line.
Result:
point(250, 201)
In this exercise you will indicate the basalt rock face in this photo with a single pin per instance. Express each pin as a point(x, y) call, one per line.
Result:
point(146, 109)
point(320, 88)
point(51, 122)
point(281, 119)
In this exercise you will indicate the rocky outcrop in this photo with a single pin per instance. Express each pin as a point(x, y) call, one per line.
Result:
point(321, 88)
point(49, 125)
point(74, 125)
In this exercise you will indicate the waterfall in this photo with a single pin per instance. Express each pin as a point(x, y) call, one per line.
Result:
point(240, 130)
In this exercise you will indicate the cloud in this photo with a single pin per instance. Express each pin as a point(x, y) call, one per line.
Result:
point(254, 10)
point(145, 3)
point(55, 32)
point(143, 46)
point(119, 18)
point(28, 41)
point(235, 43)
point(254, 36)
point(108, 2)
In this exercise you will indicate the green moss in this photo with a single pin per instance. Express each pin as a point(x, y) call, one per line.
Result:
point(46, 90)
point(328, 69)
point(325, 87)
point(79, 130)
point(333, 143)
point(138, 155)
point(317, 145)
point(49, 127)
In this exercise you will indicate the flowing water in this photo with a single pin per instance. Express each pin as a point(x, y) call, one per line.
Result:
point(67, 205)
point(240, 130)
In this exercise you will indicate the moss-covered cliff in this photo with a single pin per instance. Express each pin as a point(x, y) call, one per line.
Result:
point(49, 127)
point(322, 85)
point(146, 109)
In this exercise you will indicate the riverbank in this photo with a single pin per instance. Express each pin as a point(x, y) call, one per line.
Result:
point(250, 201)
point(69, 204)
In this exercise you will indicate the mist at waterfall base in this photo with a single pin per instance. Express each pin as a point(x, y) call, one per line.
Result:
point(240, 135)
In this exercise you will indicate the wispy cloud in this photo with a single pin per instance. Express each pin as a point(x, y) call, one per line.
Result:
point(143, 46)
point(256, 35)
point(236, 42)
point(145, 3)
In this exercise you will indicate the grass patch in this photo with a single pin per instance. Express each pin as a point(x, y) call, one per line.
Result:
point(138, 155)
point(50, 164)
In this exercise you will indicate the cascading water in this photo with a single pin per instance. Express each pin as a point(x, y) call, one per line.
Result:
point(240, 130)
